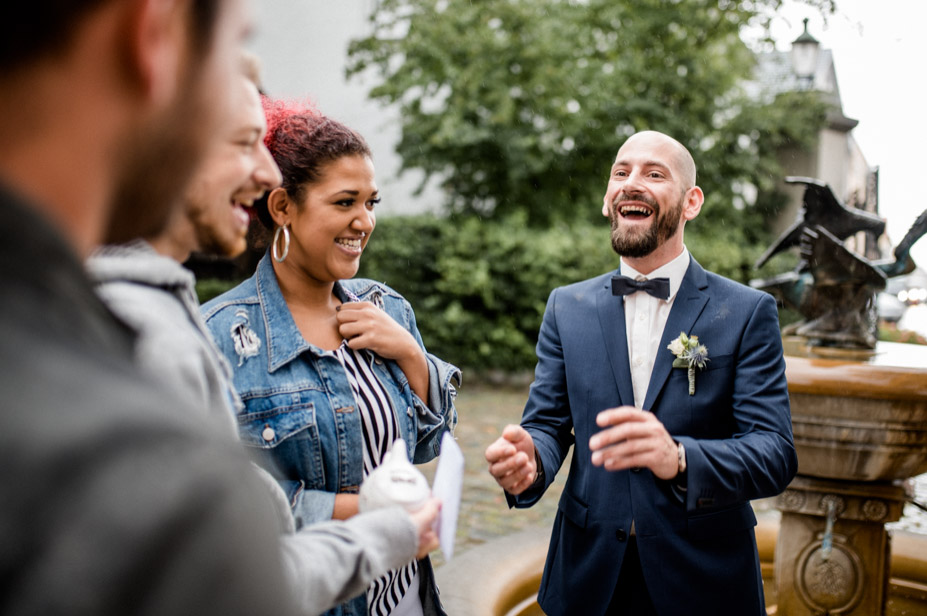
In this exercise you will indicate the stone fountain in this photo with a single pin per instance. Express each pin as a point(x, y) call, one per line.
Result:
point(859, 415)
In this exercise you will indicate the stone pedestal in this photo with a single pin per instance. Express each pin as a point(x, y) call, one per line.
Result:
point(860, 424)
point(833, 550)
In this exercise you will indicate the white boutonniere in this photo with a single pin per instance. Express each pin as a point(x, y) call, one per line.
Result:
point(689, 355)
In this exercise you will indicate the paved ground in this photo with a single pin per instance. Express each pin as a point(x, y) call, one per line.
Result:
point(484, 410)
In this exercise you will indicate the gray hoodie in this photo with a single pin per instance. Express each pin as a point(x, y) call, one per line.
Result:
point(155, 295)
point(326, 563)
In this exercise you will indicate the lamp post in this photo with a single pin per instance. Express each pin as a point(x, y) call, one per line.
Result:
point(805, 57)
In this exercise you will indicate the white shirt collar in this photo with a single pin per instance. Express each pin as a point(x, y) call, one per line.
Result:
point(675, 270)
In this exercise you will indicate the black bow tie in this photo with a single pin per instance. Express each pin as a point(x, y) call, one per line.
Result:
point(657, 287)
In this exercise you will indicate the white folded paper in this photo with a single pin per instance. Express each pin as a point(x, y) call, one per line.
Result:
point(447, 486)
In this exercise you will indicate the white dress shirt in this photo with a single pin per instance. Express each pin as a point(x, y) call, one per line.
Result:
point(645, 318)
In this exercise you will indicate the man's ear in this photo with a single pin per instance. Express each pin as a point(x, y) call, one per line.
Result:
point(278, 206)
point(693, 203)
point(157, 41)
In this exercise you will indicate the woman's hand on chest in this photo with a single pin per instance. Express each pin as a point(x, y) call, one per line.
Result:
point(365, 326)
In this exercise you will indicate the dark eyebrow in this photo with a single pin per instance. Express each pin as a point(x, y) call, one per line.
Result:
point(649, 163)
point(656, 163)
point(353, 193)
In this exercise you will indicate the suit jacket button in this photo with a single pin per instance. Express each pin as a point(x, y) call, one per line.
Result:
point(621, 534)
point(635, 469)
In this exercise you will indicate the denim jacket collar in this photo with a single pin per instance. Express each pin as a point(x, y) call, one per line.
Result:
point(284, 340)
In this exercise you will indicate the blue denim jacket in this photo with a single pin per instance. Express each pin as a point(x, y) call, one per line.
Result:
point(299, 412)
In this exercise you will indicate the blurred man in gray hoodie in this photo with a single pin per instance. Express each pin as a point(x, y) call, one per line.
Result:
point(144, 283)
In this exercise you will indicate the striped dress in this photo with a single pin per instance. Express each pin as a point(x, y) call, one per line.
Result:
point(381, 430)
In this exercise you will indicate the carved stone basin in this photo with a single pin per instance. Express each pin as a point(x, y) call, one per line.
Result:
point(859, 415)
point(501, 577)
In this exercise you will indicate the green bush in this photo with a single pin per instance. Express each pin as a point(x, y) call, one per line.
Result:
point(208, 288)
point(479, 288)
point(890, 333)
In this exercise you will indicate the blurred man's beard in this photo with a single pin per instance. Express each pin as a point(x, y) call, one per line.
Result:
point(635, 245)
point(156, 165)
point(214, 243)
point(211, 218)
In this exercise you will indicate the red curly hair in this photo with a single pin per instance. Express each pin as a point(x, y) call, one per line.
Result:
point(303, 142)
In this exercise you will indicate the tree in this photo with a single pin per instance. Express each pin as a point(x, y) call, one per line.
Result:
point(520, 105)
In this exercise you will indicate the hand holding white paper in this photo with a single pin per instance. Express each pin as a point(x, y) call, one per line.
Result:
point(447, 486)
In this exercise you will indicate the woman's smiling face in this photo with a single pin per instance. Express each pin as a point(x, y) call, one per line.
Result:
point(332, 224)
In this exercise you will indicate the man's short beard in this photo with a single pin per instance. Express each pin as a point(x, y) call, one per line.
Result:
point(158, 160)
point(641, 245)
point(211, 243)
point(153, 178)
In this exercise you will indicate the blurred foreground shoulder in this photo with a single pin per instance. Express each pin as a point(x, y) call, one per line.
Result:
point(116, 500)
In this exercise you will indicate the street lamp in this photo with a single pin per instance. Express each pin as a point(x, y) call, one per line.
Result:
point(805, 57)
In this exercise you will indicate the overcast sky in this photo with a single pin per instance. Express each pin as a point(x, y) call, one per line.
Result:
point(880, 47)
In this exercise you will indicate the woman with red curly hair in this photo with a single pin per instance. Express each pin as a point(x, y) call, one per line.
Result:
point(331, 369)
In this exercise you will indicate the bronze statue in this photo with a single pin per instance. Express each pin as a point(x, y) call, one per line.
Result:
point(833, 288)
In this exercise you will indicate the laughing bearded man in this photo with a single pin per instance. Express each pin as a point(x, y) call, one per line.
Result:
point(655, 517)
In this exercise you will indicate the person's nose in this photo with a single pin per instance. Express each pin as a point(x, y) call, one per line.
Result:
point(266, 173)
point(633, 183)
point(365, 221)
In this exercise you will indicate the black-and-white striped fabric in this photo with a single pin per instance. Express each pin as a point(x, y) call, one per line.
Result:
point(380, 431)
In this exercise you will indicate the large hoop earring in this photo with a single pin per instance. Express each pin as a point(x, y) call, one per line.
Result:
point(274, 252)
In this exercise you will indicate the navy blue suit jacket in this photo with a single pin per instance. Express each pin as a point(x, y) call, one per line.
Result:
point(698, 548)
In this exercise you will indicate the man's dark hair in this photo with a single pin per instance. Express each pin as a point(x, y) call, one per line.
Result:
point(36, 28)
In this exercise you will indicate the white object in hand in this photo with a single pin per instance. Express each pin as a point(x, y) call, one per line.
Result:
point(447, 487)
point(394, 482)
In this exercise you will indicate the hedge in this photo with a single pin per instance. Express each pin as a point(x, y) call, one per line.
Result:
point(479, 288)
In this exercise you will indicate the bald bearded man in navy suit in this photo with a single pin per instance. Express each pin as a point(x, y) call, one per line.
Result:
point(655, 517)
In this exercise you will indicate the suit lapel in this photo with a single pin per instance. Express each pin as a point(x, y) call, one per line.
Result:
point(615, 335)
point(690, 301)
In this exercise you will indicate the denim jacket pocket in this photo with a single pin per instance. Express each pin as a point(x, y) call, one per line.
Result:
point(285, 438)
